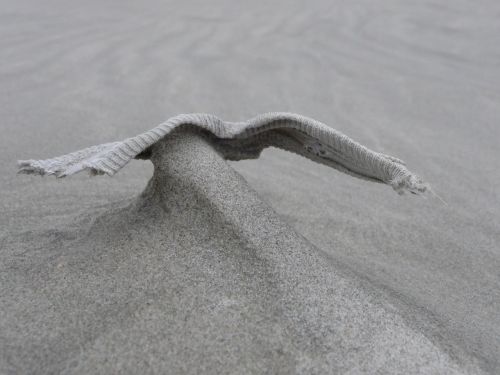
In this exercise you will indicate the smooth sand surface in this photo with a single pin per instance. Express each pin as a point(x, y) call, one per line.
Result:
point(292, 267)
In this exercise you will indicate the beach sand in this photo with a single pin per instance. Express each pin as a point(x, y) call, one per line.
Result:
point(274, 265)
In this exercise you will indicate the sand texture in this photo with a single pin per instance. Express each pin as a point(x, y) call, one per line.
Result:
point(274, 265)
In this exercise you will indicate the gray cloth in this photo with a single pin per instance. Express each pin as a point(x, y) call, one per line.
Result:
point(243, 140)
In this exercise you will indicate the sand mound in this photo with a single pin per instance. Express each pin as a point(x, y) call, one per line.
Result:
point(199, 275)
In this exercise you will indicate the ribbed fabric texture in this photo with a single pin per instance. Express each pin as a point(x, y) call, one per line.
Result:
point(243, 140)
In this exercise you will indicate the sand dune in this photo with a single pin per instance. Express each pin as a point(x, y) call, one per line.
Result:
point(314, 271)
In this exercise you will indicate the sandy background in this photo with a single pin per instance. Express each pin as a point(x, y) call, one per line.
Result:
point(419, 81)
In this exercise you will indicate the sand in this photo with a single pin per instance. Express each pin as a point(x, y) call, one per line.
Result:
point(283, 266)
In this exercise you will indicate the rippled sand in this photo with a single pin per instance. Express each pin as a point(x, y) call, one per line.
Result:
point(418, 80)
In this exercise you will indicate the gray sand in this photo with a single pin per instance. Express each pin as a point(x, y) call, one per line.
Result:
point(201, 274)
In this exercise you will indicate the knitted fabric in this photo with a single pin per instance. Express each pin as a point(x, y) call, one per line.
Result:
point(242, 140)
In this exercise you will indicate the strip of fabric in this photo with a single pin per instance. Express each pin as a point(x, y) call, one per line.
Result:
point(243, 140)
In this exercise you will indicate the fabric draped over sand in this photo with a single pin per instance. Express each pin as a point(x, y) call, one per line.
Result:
point(243, 140)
